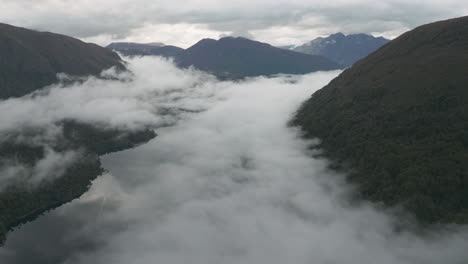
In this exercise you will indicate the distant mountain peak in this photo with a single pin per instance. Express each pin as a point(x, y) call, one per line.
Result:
point(341, 48)
point(238, 57)
point(231, 38)
point(231, 42)
point(337, 35)
point(204, 41)
point(233, 57)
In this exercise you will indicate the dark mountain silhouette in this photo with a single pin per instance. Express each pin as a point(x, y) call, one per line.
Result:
point(399, 120)
point(344, 50)
point(31, 60)
point(232, 58)
point(139, 49)
point(240, 57)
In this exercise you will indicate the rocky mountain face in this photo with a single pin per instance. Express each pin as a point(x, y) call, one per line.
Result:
point(344, 50)
point(233, 58)
point(148, 49)
point(30, 60)
point(397, 121)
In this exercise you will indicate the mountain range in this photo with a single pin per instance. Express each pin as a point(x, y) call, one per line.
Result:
point(234, 58)
point(240, 57)
point(343, 49)
point(398, 122)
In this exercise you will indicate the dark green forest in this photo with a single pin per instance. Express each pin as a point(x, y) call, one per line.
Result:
point(397, 123)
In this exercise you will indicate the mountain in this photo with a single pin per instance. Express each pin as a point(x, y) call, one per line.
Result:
point(398, 122)
point(232, 58)
point(32, 59)
point(29, 61)
point(344, 50)
point(141, 49)
point(240, 57)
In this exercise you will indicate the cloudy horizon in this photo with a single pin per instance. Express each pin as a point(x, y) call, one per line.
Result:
point(183, 24)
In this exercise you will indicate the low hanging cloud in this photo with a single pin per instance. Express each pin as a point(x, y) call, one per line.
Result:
point(230, 184)
point(50, 167)
point(127, 101)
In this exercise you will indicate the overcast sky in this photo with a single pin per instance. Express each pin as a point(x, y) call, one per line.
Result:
point(184, 22)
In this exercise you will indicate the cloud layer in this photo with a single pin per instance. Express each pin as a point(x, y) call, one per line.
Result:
point(231, 184)
point(183, 23)
point(130, 101)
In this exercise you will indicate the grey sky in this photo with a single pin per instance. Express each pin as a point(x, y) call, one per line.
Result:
point(182, 23)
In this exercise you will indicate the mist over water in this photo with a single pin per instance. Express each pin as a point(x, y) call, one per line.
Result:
point(154, 93)
point(228, 182)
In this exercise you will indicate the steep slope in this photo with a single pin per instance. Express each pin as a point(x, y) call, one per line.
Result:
point(240, 57)
point(148, 49)
point(399, 120)
point(31, 59)
point(345, 50)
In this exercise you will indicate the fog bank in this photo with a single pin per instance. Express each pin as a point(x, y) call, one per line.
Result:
point(227, 182)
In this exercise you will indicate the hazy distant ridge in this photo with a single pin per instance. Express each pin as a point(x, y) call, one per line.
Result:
point(343, 49)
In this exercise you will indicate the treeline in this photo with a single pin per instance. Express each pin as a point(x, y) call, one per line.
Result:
point(416, 159)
